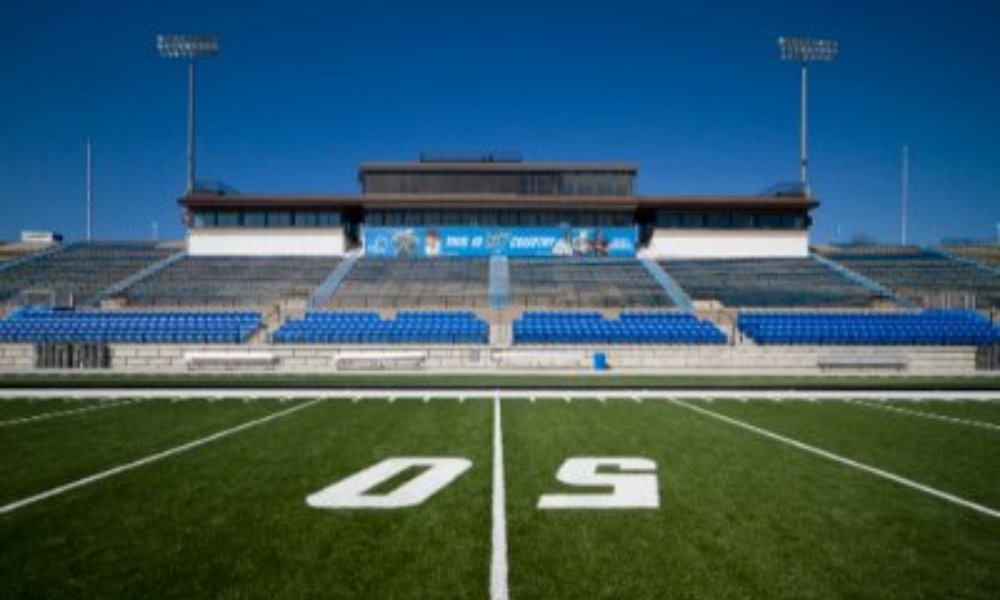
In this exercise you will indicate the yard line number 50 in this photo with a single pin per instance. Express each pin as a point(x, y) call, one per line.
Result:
point(632, 482)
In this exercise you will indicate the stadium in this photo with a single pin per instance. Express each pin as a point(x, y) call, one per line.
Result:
point(493, 263)
point(477, 375)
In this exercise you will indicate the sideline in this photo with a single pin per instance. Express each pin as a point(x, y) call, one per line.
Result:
point(63, 413)
point(539, 394)
point(928, 415)
point(9, 508)
point(925, 489)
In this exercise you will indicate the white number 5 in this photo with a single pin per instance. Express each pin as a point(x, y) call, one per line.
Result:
point(634, 484)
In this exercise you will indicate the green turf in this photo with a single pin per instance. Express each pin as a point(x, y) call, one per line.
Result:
point(987, 412)
point(229, 520)
point(741, 516)
point(954, 458)
point(44, 453)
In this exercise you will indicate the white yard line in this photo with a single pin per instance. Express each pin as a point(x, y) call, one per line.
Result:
point(550, 394)
point(498, 564)
point(9, 508)
point(985, 510)
point(63, 413)
point(929, 415)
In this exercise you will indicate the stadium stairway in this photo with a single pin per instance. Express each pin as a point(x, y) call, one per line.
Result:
point(328, 288)
point(861, 280)
point(499, 291)
point(270, 322)
point(676, 293)
point(120, 286)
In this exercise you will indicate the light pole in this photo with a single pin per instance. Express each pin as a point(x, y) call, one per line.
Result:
point(905, 192)
point(805, 51)
point(191, 47)
point(90, 196)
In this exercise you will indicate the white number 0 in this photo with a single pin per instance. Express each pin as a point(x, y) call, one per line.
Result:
point(353, 491)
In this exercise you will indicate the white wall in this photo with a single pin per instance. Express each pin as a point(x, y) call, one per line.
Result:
point(266, 242)
point(726, 243)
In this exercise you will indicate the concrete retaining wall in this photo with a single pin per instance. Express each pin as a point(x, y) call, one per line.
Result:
point(663, 359)
point(17, 356)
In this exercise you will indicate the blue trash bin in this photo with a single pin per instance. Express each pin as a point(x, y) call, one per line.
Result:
point(600, 361)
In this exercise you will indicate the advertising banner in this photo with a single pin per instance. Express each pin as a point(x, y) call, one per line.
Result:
point(500, 241)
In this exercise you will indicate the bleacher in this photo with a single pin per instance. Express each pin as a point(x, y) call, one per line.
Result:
point(400, 283)
point(926, 277)
point(554, 283)
point(15, 251)
point(366, 327)
point(235, 281)
point(536, 327)
point(44, 325)
point(929, 327)
point(767, 282)
point(80, 270)
point(983, 253)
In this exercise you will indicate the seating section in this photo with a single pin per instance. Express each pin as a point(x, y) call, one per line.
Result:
point(400, 283)
point(15, 251)
point(233, 281)
point(630, 328)
point(930, 327)
point(35, 325)
point(926, 277)
point(767, 282)
point(81, 270)
point(988, 255)
point(409, 327)
point(552, 283)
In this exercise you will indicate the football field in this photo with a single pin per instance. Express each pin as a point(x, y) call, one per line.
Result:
point(519, 494)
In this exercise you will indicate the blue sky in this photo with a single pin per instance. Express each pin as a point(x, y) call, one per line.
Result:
point(691, 91)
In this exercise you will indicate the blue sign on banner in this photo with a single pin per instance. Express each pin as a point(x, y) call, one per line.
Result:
point(500, 241)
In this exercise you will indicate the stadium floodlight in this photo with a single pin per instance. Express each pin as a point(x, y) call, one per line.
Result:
point(191, 47)
point(804, 51)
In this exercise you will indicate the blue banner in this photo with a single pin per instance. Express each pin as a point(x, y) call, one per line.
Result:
point(501, 241)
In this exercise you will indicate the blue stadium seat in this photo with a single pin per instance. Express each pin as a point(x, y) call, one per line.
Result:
point(929, 327)
point(46, 325)
point(535, 327)
point(409, 327)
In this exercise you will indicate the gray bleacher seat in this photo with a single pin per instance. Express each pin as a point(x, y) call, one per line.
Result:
point(232, 281)
point(584, 283)
point(983, 253)
point(81, 270)
point(764, 282)
point(401, 283)
point(928, 278)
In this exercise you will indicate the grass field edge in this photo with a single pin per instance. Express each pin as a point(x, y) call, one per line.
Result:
point(503, 381)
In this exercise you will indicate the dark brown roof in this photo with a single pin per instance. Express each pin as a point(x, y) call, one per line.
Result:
point(493, 201)
point(373, 167)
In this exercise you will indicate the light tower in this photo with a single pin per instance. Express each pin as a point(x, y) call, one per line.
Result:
point(191, 47)
point(805, 51)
